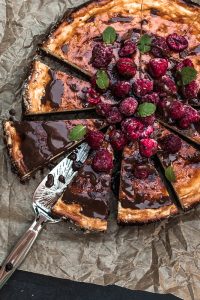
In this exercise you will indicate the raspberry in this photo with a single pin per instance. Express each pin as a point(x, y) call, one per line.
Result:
point(92, 97)
point(117, 139)
point(176, 110)
point(102, 161)
point(101, 56)
point(128, 106)
point(127, 49)
point(103, 109)
point(126, 67)
point(148, 147)
point(141, 87)
point(164, 104)
point(147, 132)
point(165, 85)
point(191, 90)
point(94, 139)
point(177, 42)
point(132, 128)
point(159, 47)
point(151, 98)
point(141, 172)
point(121, 89)
point(114, 116)
point(184, 63)
point(171, 143)
point(191, 116)
point(148, 120)
point(158, 67)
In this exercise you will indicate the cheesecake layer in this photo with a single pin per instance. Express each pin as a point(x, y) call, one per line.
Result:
point(33, 144)
point(86, 201)
point(186, 166)
point(142, 200)
point(48, 91)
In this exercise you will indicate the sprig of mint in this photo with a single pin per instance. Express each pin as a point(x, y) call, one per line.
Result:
point(102, 79)
point(170, 174)
point(144, 44)
point(187, 75)
point(109, 35)
point(146, 109)
point(77, 132)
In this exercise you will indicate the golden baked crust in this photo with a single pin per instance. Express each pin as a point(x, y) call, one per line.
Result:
point(142, 200)
point(86, 199)
point(138, 216)
point(173, 16)
point(37, 84)
point(15, 141)
point(73, 213)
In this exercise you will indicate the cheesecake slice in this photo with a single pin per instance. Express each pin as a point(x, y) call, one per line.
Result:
point(74, 38)
point(143, 196)
point(49, 91)
point(184, 160)
point(86, 199)
point(33, 144)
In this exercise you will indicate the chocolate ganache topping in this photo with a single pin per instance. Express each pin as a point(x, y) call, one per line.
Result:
point(90, 190)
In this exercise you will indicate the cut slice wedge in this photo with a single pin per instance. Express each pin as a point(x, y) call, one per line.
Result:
point(186, 167)
point(86, 200)
point(48, 91)
point(142, 200)
point(33, 144)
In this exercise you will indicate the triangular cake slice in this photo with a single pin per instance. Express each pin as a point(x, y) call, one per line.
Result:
point(49, 91)
point(184, 160)
point(143, 196)
point(33, 144)
point(86, 199)
point(74, 38)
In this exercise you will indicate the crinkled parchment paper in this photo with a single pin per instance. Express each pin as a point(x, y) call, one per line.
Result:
point(162, 257)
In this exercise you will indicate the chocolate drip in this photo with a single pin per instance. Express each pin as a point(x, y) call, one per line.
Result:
point(90, 190)
point(76, 165)
point(50, 181)
point(61, 178)
point(64, 48)
point(54, 90)
point(121, 19)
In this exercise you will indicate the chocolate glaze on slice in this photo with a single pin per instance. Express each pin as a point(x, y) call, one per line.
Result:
point(121, 19)
point(141, 193)
point(35, 143)
point(90, 190)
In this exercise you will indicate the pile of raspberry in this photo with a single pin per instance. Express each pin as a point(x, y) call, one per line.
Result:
point(157, 85)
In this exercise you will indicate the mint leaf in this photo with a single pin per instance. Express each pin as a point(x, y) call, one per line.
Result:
point(144, 44)
point(109, 35)
point(187, 74)
point(169, 174)
point(102, 80)
point(146, 109)
point(77, 132)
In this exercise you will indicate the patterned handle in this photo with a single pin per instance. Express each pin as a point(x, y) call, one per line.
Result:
point(21, 249)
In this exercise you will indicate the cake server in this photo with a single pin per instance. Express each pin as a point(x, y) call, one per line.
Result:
point(45, 196)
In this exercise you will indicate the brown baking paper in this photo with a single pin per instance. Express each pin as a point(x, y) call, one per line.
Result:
point(162, 257)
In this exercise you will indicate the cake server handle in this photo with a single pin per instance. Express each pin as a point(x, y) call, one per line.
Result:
point(21, 249)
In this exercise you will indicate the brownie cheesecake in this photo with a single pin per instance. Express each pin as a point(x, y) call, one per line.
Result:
point(33, 144)
point(86, 200)
point(143, 62)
